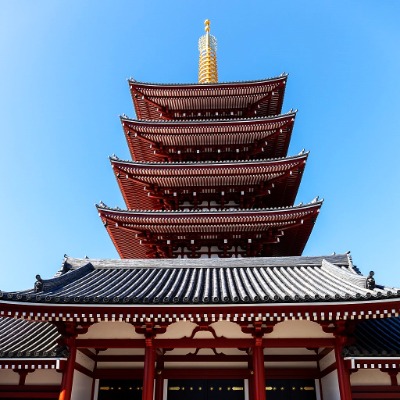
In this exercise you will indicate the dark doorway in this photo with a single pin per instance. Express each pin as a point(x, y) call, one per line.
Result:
point(112, 389)
point(205, 389)
point(290, 389)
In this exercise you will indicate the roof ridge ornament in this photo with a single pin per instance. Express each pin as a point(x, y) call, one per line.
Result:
point(208, 72)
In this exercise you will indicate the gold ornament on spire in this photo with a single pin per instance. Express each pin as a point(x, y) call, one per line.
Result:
point(208, 72)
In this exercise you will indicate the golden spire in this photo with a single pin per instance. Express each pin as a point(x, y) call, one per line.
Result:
point(208, 72)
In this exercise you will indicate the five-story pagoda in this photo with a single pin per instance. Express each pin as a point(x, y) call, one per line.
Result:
point(210, 175)
point(210, 182)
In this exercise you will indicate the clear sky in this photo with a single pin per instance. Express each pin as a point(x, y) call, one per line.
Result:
point(63, 71)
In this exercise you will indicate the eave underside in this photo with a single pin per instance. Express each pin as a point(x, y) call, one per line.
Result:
point(209, 140)
point(241, 100)
point(264, 184)
point(249, 233)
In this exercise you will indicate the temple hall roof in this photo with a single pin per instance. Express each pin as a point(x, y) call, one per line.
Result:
point(199, 101)
point(20, 338)
point(376, 338)
point(204, 282)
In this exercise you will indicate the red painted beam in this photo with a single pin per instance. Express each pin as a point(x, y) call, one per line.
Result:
point(221, 343)
point(28, 395)
point(208, 358)
point(216, 373)
point(208, 373)
point(29, 392)
point(376, 396)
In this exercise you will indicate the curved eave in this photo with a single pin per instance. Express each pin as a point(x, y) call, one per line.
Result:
point(229, 216)
point(162, 125)
point(273, 182)
point(128, 228)
point(205, 86)
point(146, 139)
point(194, 101)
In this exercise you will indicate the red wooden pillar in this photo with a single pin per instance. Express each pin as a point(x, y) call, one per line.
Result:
point(342, 371)
point(149, 370)
point(159, 392)
point(251, 379)
point(258, 370)
point(68, 375)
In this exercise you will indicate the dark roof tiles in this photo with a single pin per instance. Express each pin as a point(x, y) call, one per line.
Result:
point(20, 338)
point(204, 281)
point(376, 338)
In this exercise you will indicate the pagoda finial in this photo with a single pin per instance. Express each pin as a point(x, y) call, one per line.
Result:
point(208, 72)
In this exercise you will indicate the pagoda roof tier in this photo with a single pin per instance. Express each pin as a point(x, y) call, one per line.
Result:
point(198, 101)
point(194, 234)
point(239, 184)
point(202, 140)
point(274, 280)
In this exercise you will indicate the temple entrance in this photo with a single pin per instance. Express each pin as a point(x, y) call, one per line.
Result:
point(205, 389)
point(290, 389)
point(112, 389)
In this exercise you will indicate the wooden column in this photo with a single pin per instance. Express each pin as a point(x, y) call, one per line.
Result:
point(258, 370)
point(149, 330)
point(251, 379)
point(342, 371)
point(159, 391)
point(149, 370)
point(68, 375)
point(258, 329)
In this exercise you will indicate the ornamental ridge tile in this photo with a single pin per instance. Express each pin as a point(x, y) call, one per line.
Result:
point(221, 281)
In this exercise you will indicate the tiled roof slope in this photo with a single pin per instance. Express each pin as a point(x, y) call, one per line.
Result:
point(376, 338)
point(20, 338)
point(205, 281)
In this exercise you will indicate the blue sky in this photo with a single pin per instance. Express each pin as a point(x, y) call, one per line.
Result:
point(63, 72)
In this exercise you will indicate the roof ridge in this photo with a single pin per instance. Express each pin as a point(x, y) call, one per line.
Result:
point(200, 121)
point(281, 76)
point(101, 205)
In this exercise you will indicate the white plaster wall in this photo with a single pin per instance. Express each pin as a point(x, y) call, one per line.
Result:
point(298, 329)
point(120, 365)
point(203, 335)
point(84, 360)
point(44, 377)
point(317, 389)
point(229, 330)
point(111, 330)
point(370, 377)
point(81, 387)
point(178, 330)
point(327, 361)
point(330, 386)
point(8, 377)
